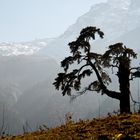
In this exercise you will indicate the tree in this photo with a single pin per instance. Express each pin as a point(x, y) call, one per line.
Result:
point(90, 63)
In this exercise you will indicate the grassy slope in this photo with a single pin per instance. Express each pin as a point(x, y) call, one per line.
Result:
point(112, 127)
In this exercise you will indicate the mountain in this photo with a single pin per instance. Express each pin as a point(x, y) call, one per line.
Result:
point(26, 79)
point(18, 75)
point(116, 18)
point(23, 48)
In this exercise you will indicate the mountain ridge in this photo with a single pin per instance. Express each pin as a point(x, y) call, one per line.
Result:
point(111, 17)
point(114, 17)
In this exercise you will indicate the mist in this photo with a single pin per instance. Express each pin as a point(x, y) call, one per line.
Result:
point(28, 99)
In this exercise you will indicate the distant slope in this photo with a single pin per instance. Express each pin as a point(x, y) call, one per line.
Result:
point(131, 39)
point(17, 75)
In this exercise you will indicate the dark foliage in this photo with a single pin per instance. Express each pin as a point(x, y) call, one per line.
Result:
point(91, 63)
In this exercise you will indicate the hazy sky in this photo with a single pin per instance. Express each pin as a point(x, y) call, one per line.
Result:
point(23, 20)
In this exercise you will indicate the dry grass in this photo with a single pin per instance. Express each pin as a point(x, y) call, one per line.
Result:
point(119, 127)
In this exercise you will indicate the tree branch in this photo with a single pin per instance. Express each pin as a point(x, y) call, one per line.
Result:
point(82, 68)
point(97, 73)
point(135, 68)
point(111, 94)
point(114, 66)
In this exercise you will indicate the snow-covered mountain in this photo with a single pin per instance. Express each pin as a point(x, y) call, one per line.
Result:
point(23, 48)
point(115, 18)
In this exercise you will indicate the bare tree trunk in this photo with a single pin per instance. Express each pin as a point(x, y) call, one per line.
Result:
point(125, 103)
point(123, 76)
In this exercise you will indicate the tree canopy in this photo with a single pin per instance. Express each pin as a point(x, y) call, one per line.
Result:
point(91, 63)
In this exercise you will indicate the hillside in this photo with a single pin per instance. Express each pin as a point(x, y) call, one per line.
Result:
point(118, 127)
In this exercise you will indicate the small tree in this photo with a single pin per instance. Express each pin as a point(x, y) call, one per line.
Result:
point(117, 56)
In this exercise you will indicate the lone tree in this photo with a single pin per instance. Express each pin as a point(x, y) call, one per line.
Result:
point(90, 63)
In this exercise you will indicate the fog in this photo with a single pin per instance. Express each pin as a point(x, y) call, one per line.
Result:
point(28, 99)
